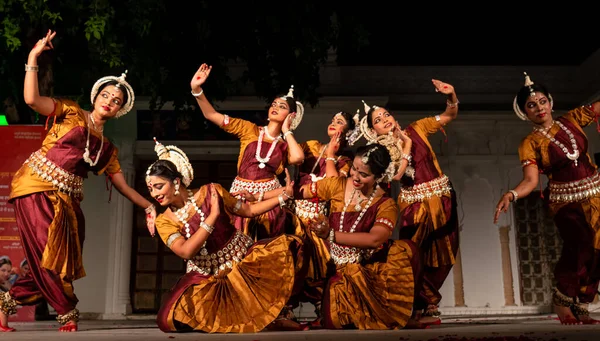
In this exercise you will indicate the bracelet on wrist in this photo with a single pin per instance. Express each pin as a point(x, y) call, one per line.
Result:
point(198, 94)
point(149, 209)
point(452, 105)
point(33, 68)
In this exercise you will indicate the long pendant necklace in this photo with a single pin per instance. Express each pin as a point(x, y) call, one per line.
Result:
point(86, 154)
point(182, 213)
point(571, 156)
point(362, 212)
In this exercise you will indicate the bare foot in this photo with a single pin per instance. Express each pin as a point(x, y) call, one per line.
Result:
point(565, 316)
point(4, 323)
point(430, 320)
point(70, 326)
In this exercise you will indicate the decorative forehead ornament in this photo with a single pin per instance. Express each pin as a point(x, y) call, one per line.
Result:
point(365, 158)
point(121, 83)
point(528, 83)
point(178, 158)
point(299, 109)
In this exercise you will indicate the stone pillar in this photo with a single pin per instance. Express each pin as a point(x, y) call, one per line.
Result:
point(120, 227)
point(459, 288)
point(507, 277)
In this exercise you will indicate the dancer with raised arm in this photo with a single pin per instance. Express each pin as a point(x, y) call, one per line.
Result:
point(48, 189)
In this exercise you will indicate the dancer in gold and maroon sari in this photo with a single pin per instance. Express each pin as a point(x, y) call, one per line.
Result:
point(47, 191)
point(264, 154)
point(373, 282)
point(559, 149)
point(232, 283)
point(427, 200)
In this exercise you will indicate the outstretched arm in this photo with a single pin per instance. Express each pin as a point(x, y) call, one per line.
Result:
point(531, 177)
point(451, 103)
point(207, 109)
point(31, 93)
point(121, 185)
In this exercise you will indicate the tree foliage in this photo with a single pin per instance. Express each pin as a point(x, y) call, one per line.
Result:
point(161, 43)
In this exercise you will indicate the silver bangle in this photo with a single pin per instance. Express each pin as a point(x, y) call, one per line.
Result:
point(207, 227)
point(33, 68)
point(287, 133)
point(452, 105)
point(237, 206)
point(515, 195)
point(331, 236)
point(281, 201)
point(261, 196)
point(198, 94)
point(149, 209)
point(332, 159)
point(287, 196)
point(406, 157)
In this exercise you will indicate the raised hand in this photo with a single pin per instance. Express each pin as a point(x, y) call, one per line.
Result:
point(214, 200)
point(200, 76)
point(43, 44)
point(287, 123)
point(442, 87)
point(334, 145)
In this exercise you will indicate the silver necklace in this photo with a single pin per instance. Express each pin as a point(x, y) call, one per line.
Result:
point(571, 156)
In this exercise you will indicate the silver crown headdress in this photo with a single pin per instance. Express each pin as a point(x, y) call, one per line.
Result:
point(368, 108)
point(516, 108)
point(299, 109)
point(352, 135)
point(390, 170)
point(127, 106)
point(178, 158)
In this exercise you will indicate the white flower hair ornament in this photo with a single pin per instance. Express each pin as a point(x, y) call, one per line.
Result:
point(121, 83)
point(299, 109)
point(178, 158)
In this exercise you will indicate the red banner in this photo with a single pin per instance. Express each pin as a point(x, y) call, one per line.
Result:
point(16, 144)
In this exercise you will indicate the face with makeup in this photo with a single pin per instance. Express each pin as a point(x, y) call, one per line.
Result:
point(362, 177)
point(382, 121)
point(538, 108)
point(280, 108)
point(338, 124)
point(108, 102)
point(163, 189)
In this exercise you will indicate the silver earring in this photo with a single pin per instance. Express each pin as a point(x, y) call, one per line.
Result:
point(176, 188)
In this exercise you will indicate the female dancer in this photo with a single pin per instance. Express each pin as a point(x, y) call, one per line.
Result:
point(264, 154)
point(427, 200)
point(48, 189)
point(373, 284)
point(559, 149)
point(232, 284)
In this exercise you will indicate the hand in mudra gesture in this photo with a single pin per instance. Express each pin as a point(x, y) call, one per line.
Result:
point(200, 76)
point(442, 87)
